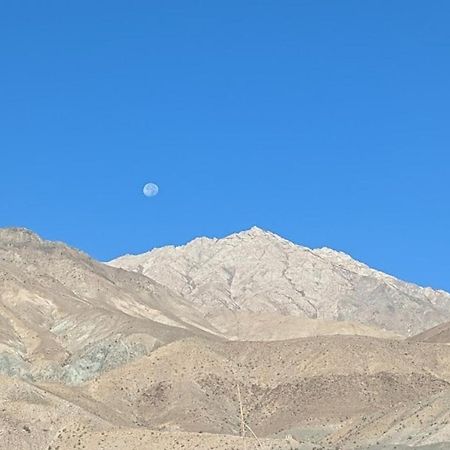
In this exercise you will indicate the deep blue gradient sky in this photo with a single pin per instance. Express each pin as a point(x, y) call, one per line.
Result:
point(327, 122)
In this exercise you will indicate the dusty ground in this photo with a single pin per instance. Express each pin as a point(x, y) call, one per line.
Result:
point(132, 439)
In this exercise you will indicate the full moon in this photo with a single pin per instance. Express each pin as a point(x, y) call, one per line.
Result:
point(150, 189)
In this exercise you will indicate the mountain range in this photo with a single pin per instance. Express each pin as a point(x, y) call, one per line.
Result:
point(249, 341)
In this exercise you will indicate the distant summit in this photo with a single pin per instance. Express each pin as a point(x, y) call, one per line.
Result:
point(258, 271)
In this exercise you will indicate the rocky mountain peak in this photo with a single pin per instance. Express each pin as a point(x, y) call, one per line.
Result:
point(256, 233)
point(258, 271)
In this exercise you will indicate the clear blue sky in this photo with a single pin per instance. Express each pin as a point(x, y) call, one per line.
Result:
point(327, 122)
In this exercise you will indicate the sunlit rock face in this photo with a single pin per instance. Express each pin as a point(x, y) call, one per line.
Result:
point(258, 271)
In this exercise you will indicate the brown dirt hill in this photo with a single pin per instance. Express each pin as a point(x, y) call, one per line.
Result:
point(425, 422)
point(287, 387)
point(248, 326)
point(139, 439)
point(438, 334)
point(30, 416)
point(330, 391)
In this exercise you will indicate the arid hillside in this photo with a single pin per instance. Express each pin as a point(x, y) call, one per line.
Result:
point(438, 334)
point(64, 316)
point(321, 392)
point(99, 357)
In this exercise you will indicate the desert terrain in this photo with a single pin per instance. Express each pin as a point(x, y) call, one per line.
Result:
point(244, 342)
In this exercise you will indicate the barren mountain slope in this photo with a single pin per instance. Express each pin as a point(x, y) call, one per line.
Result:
point(248, 326)
point(33, 418)
point(438, 334)
point(307, 387)
point(65, 316)
point(141, 439)
point(30, 416)
point(425, 422)
point(258, 271)
point(340, 391)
